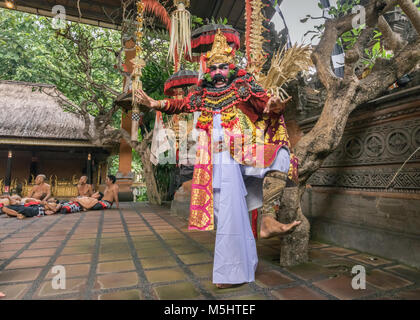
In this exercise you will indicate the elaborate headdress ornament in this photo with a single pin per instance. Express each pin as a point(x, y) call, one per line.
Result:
point(221, 52)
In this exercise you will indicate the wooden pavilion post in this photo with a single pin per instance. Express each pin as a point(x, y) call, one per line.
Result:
point(8, 177)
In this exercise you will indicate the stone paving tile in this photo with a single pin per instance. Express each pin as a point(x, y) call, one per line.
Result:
point(386, 281)
point(117, 280)
point(73, 259)
point(120, 255)
point(178, 242)
point(17, 240)
point(341, 265)
point(173, 235)
point(72, 271)
point(297, 293)
point(9, 247)
point(409, 294)
point(369, 259)
point(202, 270)
point(113, 235)
point(158, 262)
point(155, 240)
point(243, 288)
point(71, 286)
point(165, 275)
point(122, 295)
point(81, 242)
point(339, 251)
point(14, 291)
point(28, 262)
point(118, 266)
point(271, 278)
point(247, 297)
point(19, 275)
point(405, 272)
point(316, 245)
point(77, 249)
point(38, 253)
point(186, 249)
point(152, 252)
point(177, 291)
point(318, 256)
point(6, 254)
point(341, 288)
point(308, 271)
point(194, 258)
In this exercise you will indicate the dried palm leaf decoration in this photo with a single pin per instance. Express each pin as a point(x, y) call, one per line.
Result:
point(138, 64)
point(180, 31)
point(285, 64)
point(156, 8)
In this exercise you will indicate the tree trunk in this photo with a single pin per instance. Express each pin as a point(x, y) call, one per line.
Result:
point(294, 245)
point(152, 189)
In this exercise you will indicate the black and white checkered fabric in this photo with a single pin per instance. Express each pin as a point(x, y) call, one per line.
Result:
point(135, 116)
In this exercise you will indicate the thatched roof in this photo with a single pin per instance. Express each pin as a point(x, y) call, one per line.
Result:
point(33, 110)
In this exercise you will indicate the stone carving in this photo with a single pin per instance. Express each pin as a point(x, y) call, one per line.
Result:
point(353, 147)
point(408, 179)
point(389, 143)
point(374, 145)
point(398, 142)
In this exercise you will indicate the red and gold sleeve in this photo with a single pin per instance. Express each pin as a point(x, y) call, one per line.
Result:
point(175, 106)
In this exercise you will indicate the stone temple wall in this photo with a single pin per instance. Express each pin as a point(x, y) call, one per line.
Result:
point(357, 199)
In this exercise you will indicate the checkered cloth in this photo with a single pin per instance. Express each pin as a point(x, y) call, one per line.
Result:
point(135, 116)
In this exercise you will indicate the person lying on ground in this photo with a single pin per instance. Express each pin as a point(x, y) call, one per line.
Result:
point(27, 210)
point(81, 203)
point(51, 207)
point(4, 201)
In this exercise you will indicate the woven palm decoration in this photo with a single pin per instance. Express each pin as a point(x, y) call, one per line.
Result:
point(285, 64)
point(154, 7)
point(180, 31)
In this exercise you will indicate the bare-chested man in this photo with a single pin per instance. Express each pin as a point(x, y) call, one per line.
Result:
point(110, 195)
point(84, 189)
point(23, 209)
point(41, 190)
point(81, 203)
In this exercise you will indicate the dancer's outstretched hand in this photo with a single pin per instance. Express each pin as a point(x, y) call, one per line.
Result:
point(145, 100)
point(276, 105)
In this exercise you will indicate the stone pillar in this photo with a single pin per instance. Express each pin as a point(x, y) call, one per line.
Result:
point(8, 177)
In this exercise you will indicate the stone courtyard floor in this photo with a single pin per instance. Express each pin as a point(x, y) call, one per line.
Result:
point(142, 252)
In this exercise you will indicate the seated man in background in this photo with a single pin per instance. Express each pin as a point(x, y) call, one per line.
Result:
point(41, 190)
point(84, 189)
point(110, 195)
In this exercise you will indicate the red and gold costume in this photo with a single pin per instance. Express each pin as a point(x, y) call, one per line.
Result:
point(241, 105)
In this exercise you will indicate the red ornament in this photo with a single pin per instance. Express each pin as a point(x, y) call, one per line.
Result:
point(241, 73)
point(231, 66)
point(207, 70)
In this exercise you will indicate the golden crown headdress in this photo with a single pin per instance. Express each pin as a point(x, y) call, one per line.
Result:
point(220, 52)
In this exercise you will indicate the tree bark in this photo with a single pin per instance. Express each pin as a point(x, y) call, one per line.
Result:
point(343, 96)
point(151, 186)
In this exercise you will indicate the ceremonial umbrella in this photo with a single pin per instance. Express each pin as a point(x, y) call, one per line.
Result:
point(203, 37)
point(181, 79)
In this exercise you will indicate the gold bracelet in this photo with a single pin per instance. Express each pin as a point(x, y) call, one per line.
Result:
point(162, 104)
